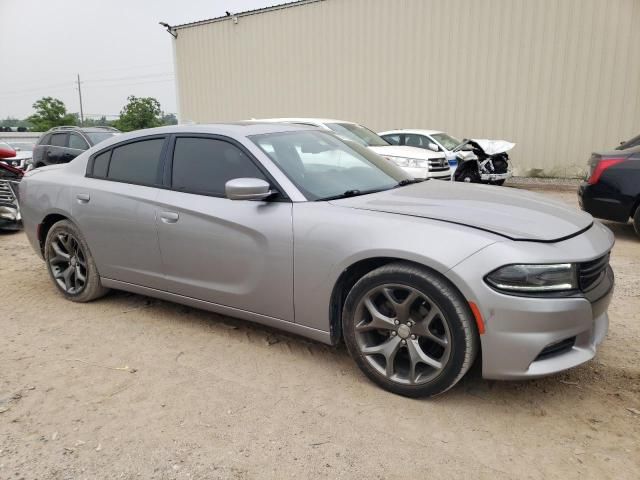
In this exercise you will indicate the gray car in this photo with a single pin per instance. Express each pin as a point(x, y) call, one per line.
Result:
point(295, 228)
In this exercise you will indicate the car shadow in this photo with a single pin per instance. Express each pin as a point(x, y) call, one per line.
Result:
point(526, 392)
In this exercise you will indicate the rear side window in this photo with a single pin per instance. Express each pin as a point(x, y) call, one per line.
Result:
point(136, 162)
point(205, 165)
point(101, 164)
point(77, 142)
point(59, 139)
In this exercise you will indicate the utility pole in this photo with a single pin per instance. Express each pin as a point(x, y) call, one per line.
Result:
point(80, 95)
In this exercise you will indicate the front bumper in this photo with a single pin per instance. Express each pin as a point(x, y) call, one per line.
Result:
point(425, 173)
point(529, 337)
point(494, 177)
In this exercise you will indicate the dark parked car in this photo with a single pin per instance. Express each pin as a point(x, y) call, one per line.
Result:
point(63, 144)
point(10, 218)
point(612, 190)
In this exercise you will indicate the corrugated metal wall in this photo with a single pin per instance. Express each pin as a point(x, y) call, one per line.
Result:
point(561, 78)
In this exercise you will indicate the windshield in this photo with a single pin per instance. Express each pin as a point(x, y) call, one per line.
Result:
point(323, 166)
point(358, 133)
point(447, 141)
point(97, 137)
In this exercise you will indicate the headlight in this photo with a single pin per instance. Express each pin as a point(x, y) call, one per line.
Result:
point(409, 162)
point(534, 278)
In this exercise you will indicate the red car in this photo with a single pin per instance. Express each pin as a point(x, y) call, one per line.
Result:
point(10, 218)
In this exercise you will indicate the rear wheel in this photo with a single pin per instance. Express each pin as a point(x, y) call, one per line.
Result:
point(70, 263)
point(409, 330)
point(636, 220)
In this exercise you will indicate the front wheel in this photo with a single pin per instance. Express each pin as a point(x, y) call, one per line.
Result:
point(636, 220)
point(409, 330)
point(70, 264)
point(468, 175)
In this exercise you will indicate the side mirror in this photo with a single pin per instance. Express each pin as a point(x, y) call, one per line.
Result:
point(433, 146)
point(247, 189)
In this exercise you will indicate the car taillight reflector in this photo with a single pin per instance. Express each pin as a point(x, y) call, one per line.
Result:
point(601, 166)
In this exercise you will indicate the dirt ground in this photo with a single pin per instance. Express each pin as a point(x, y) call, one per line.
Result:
point(131, 387)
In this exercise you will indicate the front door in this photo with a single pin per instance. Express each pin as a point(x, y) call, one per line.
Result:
point(236, 253)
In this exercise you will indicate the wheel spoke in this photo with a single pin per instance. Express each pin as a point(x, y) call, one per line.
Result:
point(416, 355)
point(64, 240)
point(422, 327)
point(388, 349)
point(66, 275)
point(60, 256)
point(79, 275)
point(403, 307)
point(379, 321)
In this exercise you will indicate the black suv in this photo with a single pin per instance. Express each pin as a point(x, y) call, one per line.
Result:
point(63, 144)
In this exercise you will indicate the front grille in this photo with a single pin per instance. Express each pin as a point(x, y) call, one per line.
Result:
point(438, 164)
point(591, 273)
point(7, 196)
point(557, 348)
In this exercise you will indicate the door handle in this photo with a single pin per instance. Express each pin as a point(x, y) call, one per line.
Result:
point(83, 197)
point(169, 217)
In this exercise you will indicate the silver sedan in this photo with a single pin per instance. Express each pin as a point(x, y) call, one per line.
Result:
point(295, 228)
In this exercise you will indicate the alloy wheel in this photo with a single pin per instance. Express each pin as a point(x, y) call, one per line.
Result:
point(402, 334)
point(68, 263)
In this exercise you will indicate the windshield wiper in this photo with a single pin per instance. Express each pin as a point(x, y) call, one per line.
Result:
point(409, 181)
point(351, 193)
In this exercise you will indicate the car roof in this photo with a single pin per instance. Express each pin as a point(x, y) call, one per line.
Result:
point(303, 120)
point(416, 131)
point(237, 129)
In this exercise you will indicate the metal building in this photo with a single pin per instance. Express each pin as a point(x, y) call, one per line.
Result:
point(560, 78)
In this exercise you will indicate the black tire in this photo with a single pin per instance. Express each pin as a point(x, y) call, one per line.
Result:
point(499, 182)
point(468, 175)
point(636, 220)
point(439, 293)
point(92, 287)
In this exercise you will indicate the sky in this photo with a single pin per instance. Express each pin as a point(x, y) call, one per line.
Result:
point(116, 46)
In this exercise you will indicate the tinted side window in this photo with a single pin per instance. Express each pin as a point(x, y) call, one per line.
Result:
point(45, 140)
point(59, 140)
point(101, 164)
point(136, 162)
point(77, 142)
point(392, 139)
point(204, 165)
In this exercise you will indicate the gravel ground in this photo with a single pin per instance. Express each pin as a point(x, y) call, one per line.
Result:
point(131, 387)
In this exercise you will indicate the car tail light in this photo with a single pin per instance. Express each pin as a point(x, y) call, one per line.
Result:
point(601, 166)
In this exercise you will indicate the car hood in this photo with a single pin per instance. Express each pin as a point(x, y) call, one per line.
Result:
point(406, 152)
point(509, 212)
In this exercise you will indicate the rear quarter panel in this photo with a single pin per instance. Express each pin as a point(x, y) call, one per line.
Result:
point(43, 192)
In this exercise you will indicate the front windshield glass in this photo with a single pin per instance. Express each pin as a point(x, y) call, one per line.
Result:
point(447, 141)
point(358, 133)
point(97, 137)
point(323, 166)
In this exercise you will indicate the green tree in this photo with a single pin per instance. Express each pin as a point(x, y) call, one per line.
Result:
point(143, 112)
point(50, 112)
point(169, 119)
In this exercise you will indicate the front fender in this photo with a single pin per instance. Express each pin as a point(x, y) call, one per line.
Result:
point(329, 239)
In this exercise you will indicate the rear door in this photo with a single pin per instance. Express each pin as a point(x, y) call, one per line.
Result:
point(236, 253)
point(115, 208)
point(56, 152)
